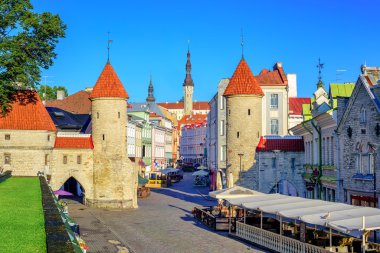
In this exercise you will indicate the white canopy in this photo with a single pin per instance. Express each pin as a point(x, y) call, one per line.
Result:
point(254, 198)
point(234, 192)
point(200, 173)
point(355, 225)
point(260, 205)
point(326, 207)
point(168, 170)
point(299, 205)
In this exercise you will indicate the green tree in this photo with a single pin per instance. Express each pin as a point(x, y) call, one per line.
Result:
point(50, 93)
point(27, 44)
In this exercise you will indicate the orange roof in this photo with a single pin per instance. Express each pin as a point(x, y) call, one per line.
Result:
point(109, 85)
point(77, 103)
point(192, 119)
point(276, 77)
point(243, 82)
point(295, 105)
point(196, 105)
point(282, 144)
point(27, 113)
point(73, 142)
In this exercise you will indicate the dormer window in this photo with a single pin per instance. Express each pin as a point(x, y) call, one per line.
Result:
point(363, 115)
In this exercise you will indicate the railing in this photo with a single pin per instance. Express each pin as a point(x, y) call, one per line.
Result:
point(217, 223)
point(204, 217)
point(274, 241)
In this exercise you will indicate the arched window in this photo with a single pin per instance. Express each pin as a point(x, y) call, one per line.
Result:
point(363, 115)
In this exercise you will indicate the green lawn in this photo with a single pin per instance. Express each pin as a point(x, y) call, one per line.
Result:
point(22, 226)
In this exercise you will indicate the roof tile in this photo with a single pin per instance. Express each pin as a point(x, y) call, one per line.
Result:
point(73, 142)
point(77, 103)
point(243, 82)
point(28, 113)
point(282, 144)
point(108, 85)
point(295, 105)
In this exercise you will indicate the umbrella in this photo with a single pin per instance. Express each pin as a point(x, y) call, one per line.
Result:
point(202, 168)
point(63, 193)
point(200, 173)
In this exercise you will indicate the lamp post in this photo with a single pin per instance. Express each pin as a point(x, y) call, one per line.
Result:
point(276, 151)
point(240, 155)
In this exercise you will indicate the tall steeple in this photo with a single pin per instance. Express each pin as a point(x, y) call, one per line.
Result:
point(188, 87)
point(320, 67)
point(150, 97)
point(188, 80)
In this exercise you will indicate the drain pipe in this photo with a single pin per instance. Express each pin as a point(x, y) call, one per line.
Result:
point(319, 131)
point(339, 180)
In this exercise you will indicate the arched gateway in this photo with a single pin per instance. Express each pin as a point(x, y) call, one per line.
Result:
point(98, 160)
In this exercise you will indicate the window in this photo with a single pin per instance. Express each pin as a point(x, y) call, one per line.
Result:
point(48, 137)
point(249, 111)
point(237, 135)
point(143, 151)
point(363, 131)
point(65, 159)
point(79, 159)
point(274, 101)
point(221, 102)
point(358, 163)
point(104, 137)
point(229, 112)
point(97, 115)
point(46, 159)
point(371, 163)
point(7, 158)
point(223, 152)
point(363, 115)
point(274, 162)
point(222, 127)
point(293, 163)
point(274, 126)
point(7, 137)
point(118, 114)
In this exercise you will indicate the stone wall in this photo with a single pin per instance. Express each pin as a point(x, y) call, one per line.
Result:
point(362, 134)
point(27, 150)
point(82, 172)
point(243, 119)
point(263, 175)
point(114, 174)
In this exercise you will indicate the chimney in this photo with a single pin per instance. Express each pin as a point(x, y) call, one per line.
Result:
point(292, 85)
point(88, 89)
point(60, 94)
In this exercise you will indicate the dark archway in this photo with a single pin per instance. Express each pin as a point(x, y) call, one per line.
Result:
point(73, 186)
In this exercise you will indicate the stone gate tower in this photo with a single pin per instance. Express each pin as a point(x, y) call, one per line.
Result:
point(188, 88)
point(114, 175)
point(244, 115)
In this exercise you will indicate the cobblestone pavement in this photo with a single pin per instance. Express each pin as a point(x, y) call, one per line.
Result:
point(162, 223)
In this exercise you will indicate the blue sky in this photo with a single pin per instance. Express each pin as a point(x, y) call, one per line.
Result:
point(151, 37)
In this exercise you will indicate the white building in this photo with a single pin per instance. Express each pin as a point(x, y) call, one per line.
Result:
point(193, 139)
point(131, 139)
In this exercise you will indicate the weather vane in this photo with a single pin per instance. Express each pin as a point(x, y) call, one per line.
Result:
point(242, 43)
point(108, 46)
point(320, 67)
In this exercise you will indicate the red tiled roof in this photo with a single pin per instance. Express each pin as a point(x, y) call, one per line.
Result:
point(73, 142)
point(196, 106)
point(243, 82)
point(282, 144)
point(27, 113)
point(192, 119)
point(109, 85)
point(295, 105)
point(77, 103)
point(276, 77)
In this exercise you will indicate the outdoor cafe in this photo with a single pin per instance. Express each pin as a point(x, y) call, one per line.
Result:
point(283, 223)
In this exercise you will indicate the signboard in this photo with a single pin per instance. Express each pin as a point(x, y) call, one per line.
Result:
point(302, 232)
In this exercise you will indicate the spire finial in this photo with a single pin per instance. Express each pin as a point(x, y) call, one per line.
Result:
point(242, 44)
point(188, 45)
point(320, 67)
point(108, 47)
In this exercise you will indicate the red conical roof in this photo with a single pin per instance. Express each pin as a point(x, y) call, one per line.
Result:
point(243, 82)
point(108, 85)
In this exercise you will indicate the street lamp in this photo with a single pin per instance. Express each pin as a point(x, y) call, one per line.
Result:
point(276, 151)
point(240, 155)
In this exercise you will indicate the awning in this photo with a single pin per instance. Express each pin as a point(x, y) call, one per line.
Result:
point(253, 198)
point(354, 226)
point(298, 205)
point(326, 207)
point(260, 205)
point(234, 192)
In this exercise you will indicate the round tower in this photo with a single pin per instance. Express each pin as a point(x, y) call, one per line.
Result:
point(114, 179)
point(244, 118)
point(188, 88)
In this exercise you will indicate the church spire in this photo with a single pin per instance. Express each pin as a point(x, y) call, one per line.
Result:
point(320, 67)
point(188, 80)
point(150, 97)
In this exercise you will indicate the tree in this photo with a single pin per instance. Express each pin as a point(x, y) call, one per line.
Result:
point(50, 93)
point(27, 44)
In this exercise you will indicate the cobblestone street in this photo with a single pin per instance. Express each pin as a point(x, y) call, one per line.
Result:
point(162, 223)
